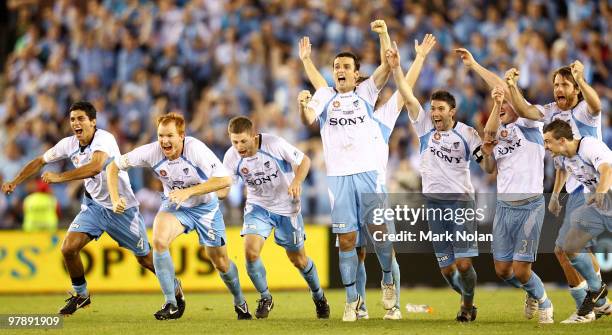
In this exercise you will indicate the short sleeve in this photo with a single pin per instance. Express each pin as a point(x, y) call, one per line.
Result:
point(139, 157)
point(206, 160)
point(595, 152)
point(389, 112)
point(368, 91)
point(231, 164)
point(581, 112)
point(60, 151)
point(288, 152)
point(320, 100)
point(472, 138)
point(422, 124)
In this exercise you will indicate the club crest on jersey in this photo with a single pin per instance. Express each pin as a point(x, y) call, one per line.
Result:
point(267, 164)
point(437, 136)
point(504, 133)
point(456, 145)
point(336, 104)
point(75, 160)
point(244, 170)
point(356, 103)
point(186, 170)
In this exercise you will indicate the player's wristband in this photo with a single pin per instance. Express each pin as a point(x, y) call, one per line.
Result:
point(478, 154)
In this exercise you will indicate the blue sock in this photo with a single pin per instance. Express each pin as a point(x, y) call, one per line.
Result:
point(453, 281)
point(468, 282)
point(362, 278)
point(579, 293)
point(384, 252)
point(312, 278)
point(512, 281)
point(348, 272)
point(535, 288)
point(164, 270)
point(396, 280)
point(257, 273)
point(231, 280)
point(583, 264)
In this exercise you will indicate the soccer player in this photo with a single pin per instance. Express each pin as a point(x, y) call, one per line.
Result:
point(578, 104)
point(190, 173)
point(520, 209)
point(265, 163)
point(89, 150)
point(350, 133)
point(387, 114)
point(589, 160)
point(446, 149)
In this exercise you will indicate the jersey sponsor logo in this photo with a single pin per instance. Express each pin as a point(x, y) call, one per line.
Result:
point(260, 173)
point(244, 170)
point(508, 149)
point(346, 121)
point(262, 180)
point(348, 112)
point(445, 149)
point(174, 162)
point(587, 182)
point(442, 155)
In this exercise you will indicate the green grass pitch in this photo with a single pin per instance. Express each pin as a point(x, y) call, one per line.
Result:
point(499, 312)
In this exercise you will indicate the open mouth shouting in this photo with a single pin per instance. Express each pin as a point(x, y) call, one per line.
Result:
point(167, 148)
point(78, 131)
point(341, 79)
point(561, 99)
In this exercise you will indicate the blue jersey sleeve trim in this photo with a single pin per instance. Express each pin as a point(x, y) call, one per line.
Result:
point(532, 135)
point(323, 116)
point(584, 129)
point(385, 131)
point(159, 163)
point(201, 173)
point(283, 164)
point(424, 140)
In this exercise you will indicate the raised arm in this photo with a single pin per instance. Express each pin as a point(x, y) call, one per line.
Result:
point(95, 166)
point(489, 77)
point(306, 113)
point(590, 96)
point(314, 76)
point(522, 108)
point(421, 52)
point(407, 96)
point(26, 172)
point(488, 164)
point(381, 74)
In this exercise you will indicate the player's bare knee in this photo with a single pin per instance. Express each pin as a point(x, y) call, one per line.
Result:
point(160, 244)
point(221, 263)
point(347, 241)
point(503, 272)
point(298, 260)
point(251, 255)
point(464, 265)
point(447, 271)
point(70, 250)
point(522, 271)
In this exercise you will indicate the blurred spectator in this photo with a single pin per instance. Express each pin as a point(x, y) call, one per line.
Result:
point(40, 208)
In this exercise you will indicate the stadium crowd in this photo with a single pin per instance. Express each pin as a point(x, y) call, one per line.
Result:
point(214, 59)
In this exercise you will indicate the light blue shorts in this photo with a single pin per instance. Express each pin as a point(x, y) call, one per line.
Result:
point(516, 230)
point(348, 205)
point(206, 219)
point(591, 221)
point(575, 200)
point(127, 229)
point(448, 251)
point(288, 231)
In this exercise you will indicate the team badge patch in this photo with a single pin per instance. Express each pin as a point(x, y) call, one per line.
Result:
point(336, 104)
point(267, 164)
point(456, 145)
point(504, 133)
point(244, 170)
point(356, 103)
point(163, 173)
point(437, 136)
point(186, 170)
